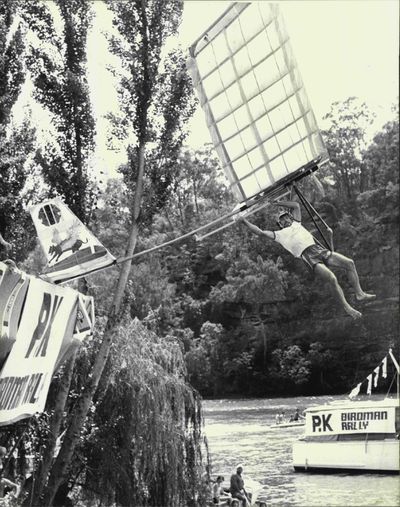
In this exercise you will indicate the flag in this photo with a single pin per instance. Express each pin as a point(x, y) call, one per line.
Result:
point(38, 321)
point(355, 391)
point(80, 327)
point(376, 377)
point(369, 388)
point(13, 287)
point(384, 367)
point(72, 251)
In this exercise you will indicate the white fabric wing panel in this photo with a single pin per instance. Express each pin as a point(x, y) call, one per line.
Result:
point(256, 107)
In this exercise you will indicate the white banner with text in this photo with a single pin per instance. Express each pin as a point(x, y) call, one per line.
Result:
point(351, 420)
point(43, 323)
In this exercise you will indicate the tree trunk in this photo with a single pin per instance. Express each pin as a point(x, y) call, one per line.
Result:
point(54, 430)
point(264, 335)
point(196, 204)
point(60, 467)
point(126, 266)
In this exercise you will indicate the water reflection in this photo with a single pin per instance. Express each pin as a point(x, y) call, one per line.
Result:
point(239, 432)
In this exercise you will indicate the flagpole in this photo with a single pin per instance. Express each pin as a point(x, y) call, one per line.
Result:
point(396, 364)
point(394, 361)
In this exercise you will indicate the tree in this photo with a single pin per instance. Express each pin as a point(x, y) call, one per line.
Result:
point(382, 157)
point(58, 67)
point(140, 436)
point(197, 182)
point(204, 360)
point(293, 366)
point(144, 27)
point(58, 64)
point(15, 144)
point(253, 284)
point(321, 362)
point(346, 139)
point(147, 89)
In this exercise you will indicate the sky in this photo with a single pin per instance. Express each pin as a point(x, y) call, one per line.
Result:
point(343, 48)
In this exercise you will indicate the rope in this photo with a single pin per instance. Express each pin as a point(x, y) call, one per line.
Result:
point(391, 383)
point(310, 210)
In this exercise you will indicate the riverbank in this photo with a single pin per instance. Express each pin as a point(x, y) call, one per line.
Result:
point(238, 432)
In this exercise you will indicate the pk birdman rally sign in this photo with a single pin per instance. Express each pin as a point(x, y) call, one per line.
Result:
point(350, 420)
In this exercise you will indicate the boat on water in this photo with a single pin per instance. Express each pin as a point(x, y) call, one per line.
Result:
point(255, 490)
point(358, 436)
point(292, 424)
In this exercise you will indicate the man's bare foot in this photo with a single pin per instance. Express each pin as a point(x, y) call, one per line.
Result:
point(10, 263)
point(354, 314)
point(365, 297)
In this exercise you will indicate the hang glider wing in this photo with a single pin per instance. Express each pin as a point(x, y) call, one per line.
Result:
point(256, 107)
point(72, 251)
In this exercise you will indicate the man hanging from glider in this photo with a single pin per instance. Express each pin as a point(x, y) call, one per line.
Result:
point(295, 238)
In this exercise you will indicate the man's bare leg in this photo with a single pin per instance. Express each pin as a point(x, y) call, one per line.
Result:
point(340, 261)
point(5, 243)
point(325, 274)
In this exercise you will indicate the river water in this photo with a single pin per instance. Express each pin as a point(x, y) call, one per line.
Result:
point(238, 432)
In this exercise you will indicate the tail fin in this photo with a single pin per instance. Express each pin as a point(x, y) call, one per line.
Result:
point(72, 251)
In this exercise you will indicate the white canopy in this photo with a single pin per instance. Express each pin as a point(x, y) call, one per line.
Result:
point(251, 91)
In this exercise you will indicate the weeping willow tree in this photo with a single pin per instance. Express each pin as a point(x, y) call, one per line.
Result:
point(145, 447)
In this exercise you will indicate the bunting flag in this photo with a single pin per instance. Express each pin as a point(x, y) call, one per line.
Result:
point(38, 323)
point(80, 327)
point(355, 391)
point(376, 377)
point(372, 378)
point(369, 388)
point(85, 317)
point(72, 251)
point(384, 367)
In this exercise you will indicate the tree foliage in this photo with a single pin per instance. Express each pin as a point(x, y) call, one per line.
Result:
point(145, 427)
point(143, 27)
point(16, 144)
point(233, 313)
point(346, 140)
point(58, 64)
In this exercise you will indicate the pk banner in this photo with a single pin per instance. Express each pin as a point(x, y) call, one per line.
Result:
point(38, 323)
point(351, 420)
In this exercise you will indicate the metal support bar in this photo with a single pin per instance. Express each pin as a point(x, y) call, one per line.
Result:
point(308, 206)
point(242, 207)
point(232, 222)
point(271, 193)
point(248, 213)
